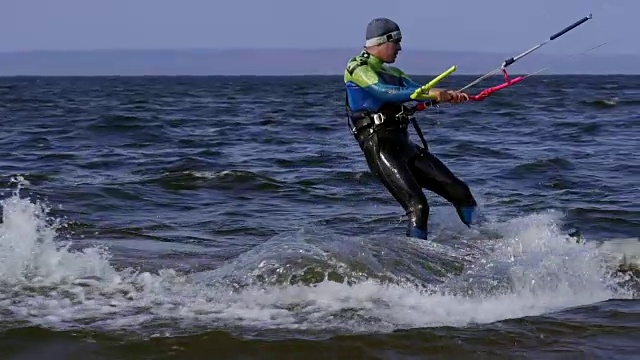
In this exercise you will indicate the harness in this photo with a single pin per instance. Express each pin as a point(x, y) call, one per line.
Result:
point(392, 116)
point(368, 121)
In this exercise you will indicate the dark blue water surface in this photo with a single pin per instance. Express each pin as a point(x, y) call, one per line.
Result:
point(235, 217)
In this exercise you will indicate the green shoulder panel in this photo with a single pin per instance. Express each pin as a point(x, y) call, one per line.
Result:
point(360, 72)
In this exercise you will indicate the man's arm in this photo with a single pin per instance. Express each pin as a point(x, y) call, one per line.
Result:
point(411, 82)
point(367, 79)
point(440, 95)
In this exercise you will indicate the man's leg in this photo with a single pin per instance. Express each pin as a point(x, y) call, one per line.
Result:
point(389, 164)
point(433, 175)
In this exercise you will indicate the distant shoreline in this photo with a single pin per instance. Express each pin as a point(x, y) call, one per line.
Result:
point(338, 76)
point(290, 62)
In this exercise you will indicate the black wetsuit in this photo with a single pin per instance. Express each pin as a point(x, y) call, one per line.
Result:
point(401, 165)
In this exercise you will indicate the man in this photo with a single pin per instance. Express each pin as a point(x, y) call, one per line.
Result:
point(375, 96)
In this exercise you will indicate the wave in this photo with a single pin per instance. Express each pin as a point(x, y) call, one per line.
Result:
point(306, 280)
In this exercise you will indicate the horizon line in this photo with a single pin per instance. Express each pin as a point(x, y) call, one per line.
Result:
point(292, 75)
point(302, 49)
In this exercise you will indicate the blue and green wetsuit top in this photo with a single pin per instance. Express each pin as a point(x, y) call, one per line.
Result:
point(371, 84)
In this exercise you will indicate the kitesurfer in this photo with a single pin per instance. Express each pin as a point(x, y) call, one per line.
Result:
point(375, 95)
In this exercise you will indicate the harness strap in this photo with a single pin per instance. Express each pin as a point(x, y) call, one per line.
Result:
point(420, 135)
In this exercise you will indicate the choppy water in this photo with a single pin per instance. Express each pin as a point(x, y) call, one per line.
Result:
point(234, 217)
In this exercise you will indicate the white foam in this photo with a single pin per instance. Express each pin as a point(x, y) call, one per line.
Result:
point(533, 270)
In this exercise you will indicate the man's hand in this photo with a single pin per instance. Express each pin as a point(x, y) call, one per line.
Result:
point(450, 96)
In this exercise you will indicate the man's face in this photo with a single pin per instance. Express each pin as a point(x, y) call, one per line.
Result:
point(389, 51)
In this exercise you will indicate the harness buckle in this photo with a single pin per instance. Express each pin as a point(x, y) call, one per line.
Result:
point(378, 118)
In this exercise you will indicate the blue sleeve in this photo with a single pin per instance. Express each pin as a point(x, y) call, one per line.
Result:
point(390, 93)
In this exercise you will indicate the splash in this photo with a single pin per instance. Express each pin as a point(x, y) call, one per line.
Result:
point(30, 256)
point(356, 285)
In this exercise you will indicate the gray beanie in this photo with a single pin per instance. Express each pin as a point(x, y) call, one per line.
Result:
point(382, 30)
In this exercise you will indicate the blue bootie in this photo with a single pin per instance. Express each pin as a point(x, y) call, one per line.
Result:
point(417, 233)
point(467, 215)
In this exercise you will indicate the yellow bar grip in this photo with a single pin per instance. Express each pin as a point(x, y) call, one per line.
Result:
point(433, 82)
point(439, 78)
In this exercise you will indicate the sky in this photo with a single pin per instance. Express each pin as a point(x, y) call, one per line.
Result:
point(471, 25)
